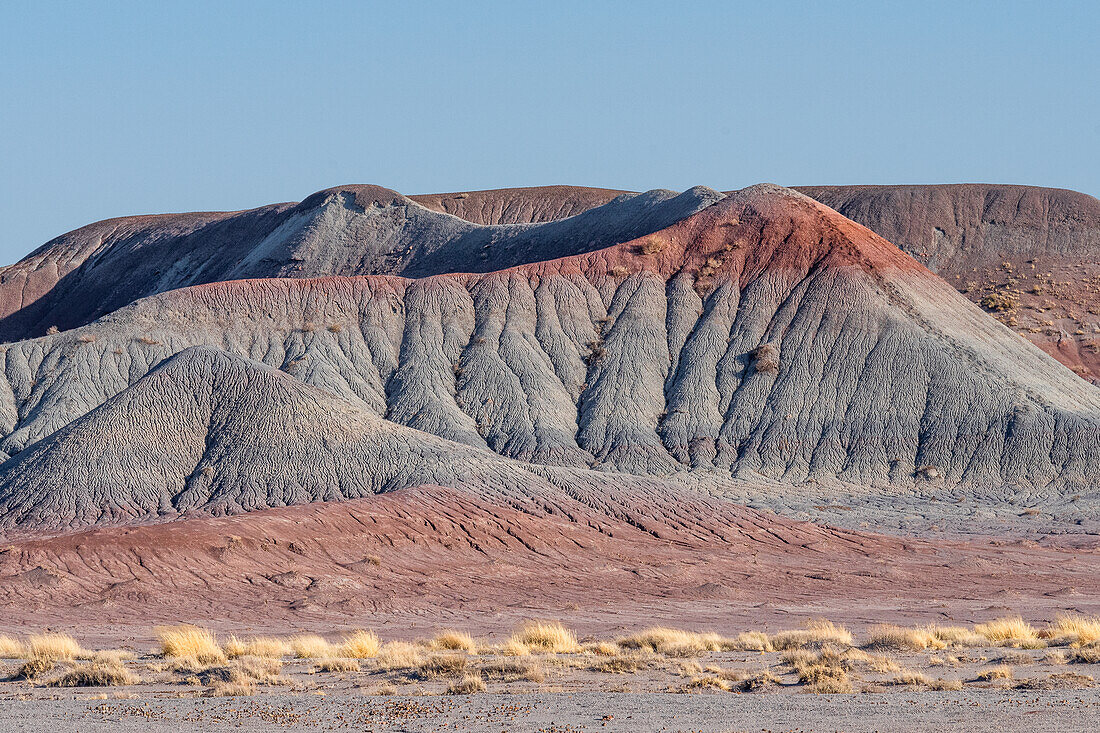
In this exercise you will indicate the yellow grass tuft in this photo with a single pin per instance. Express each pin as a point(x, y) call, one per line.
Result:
point(547, 636)
point(311, 646)
point(1010, 631)
point(602, 648)
point(257, 646)
point(361, 645)
point(815, 633)
point(399, 655)
point(1073, 629)
point(54, 646)
point(454, 641)
point(190, 641)
point(1000, 672)
point(11, 648)
point(748, 641)
point(468, 685)
point(959, 636)
point(897, 638)
point(673, 642)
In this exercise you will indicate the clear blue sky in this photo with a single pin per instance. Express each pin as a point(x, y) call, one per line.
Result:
point(114, 108)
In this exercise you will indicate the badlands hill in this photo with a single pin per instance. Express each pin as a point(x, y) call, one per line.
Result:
point(749, 345)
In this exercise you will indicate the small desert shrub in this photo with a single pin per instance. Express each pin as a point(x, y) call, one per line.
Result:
point(619, 271)
point(190, 641)
point(759, 681)
point(361, 645)
point(335, 328)
point(942, 685)
point(1012, 631)
point(453, 641)
point(1016, 659)
point(815, 633)
point(54, 646)
point(1000, 672)
point(338, 665)
point(547, 636)
point(765, 358)
point(308, 327)
point(651, 246)
point(259, 669)
point(96, 674)
point(1073, 629)
point(824, 672)
point(148, 341)
point(398, 655)
point(512, 672)
point(1058, 681)
point(311, 646)
point(673, 642)
point(711, 682)
point(1086, 655)
point(33, 669)
point(1055, 656)
point(257, 646)
point(52, 330)
point(468, 685)
point(1000, 302)
point(12, 648)
point(899, 639)
point(86, 339)
point(440, 665)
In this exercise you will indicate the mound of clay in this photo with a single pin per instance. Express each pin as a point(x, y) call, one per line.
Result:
point(1028, 255)
point(350, 230)
point(762, 337)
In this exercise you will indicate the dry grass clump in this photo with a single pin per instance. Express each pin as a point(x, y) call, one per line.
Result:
point(96, 674)
point(815, 633)
point(1010, 631)
point(33, 669)
point(1000, 672)
point(338, 665)
point(620, 664)
point(439, 666)
point(942, 685)
point(257, 646)
point(232, 689)
point(824, 673)
point(885, 636)
point(361, 645)
point(708, 682)
point(311, 646)
point(909, 677)
point(958, 636)
point(546, 636)
point(1058, 681)
point(54, 646)
point(602, 648)
point(398, 655)
point(1073, 629)
point(651, 246)
point(673, 642)
point(1087, 655)
point(758, 682)
point(876, 663)
point(512, 672)
point(11, 648)
point(190, 641)
point(619, 271)
point(748, 641)
point(451, 640)
point(244, 671)
point(468, 685)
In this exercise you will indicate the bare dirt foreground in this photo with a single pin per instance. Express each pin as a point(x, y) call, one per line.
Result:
point(567, 712)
